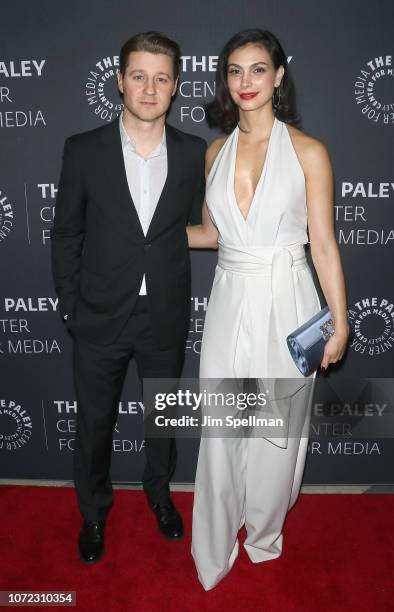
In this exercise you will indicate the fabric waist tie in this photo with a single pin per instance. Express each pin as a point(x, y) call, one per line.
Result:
point(260, 261)
point(278, 263)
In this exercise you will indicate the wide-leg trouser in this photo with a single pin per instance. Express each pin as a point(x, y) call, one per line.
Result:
point(247, 481)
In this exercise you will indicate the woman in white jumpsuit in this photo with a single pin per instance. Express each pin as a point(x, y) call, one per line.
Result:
point(262, 291)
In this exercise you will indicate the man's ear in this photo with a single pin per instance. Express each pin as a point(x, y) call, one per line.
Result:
point(175, 87)
point(119, 77)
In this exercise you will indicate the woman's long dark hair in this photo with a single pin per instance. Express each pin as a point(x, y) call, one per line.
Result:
point(222, 112)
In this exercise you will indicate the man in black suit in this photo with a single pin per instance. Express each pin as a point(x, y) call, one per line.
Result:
point(122, 271)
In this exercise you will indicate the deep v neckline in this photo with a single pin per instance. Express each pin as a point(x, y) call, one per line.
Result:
point(262, 175)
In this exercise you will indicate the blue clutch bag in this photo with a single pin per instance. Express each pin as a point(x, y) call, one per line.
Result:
point(306, 344)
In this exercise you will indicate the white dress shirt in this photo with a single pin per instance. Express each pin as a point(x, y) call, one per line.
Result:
point(145, 178)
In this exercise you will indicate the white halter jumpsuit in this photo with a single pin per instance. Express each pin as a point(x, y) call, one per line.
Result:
point(262, 290)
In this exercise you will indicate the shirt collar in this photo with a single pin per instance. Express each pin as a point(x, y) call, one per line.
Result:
point(127, 141)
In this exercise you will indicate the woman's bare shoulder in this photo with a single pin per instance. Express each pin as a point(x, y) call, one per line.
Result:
point(310, 151)
point(213, 152)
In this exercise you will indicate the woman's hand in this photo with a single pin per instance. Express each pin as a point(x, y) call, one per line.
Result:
point(335, 348)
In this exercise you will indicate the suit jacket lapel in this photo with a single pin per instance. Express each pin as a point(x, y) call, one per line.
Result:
point(174, 160)
point(116, 174)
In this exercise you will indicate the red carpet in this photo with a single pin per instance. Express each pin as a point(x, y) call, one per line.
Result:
point(338, 555)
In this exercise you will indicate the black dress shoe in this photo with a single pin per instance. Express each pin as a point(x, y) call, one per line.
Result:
point(169, 520)
point(91, 541)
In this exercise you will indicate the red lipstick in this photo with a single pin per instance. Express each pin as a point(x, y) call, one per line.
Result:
point(248, 96)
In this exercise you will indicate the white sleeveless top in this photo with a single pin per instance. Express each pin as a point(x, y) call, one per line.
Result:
point(263, 288)
point(277, 214)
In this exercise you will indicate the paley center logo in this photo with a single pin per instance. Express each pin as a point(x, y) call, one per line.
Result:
point(359, 200)
point(11, 115)
point(22, 68)
point(101, 89)
point(372, 321)
point(6, 216)
point(15, 425)
point(374, 90)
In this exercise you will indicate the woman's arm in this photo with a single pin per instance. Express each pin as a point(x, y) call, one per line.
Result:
point(205, 235)
point(324, 247)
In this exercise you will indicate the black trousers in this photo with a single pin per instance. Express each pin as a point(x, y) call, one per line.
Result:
point(99, 374)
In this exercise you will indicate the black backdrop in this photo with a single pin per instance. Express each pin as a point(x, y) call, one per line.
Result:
point(57, 77)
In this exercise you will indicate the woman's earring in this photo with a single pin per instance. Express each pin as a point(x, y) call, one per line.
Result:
point(276, 98)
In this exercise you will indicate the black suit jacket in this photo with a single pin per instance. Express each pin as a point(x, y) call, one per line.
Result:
point(99, 251)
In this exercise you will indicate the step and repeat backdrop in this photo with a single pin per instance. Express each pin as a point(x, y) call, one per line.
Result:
point(58, 64)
